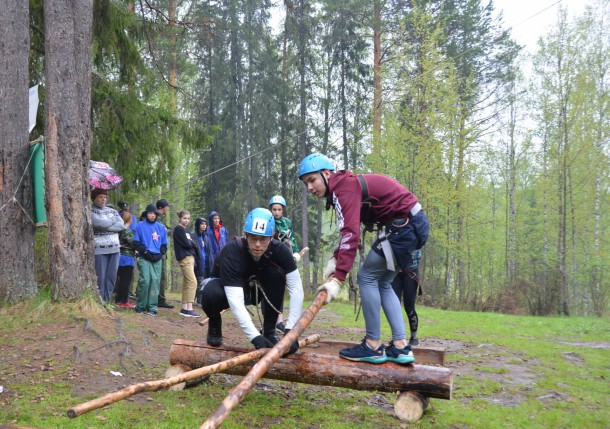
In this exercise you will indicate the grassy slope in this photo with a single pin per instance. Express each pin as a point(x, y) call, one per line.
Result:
point(563, 394)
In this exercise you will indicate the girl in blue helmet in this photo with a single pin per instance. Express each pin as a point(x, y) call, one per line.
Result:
point(257, 269)
point(370, 199)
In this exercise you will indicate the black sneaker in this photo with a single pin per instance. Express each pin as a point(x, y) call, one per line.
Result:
point(363, 353)
point(215, 332)
point(413, 342)
point(401, 356)
point(281, 327)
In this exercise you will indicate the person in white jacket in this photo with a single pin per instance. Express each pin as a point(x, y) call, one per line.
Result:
point(107, 223)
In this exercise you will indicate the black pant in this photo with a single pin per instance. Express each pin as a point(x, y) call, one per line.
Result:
point(273, 283)
point(123, 283)
point(406, 289)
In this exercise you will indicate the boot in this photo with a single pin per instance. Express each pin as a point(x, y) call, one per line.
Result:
point(215, 332)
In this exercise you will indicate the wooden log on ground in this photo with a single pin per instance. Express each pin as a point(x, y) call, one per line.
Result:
point(326, 370)
point(410, 406)
point(423, 355)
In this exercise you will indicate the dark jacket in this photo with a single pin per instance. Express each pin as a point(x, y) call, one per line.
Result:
point(202, 241)
point(214, 245)
point(184, 245)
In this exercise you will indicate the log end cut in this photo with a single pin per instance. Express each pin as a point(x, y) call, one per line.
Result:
point(181, 369)
point(410, 406)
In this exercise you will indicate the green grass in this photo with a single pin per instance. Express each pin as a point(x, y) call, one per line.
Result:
point(557, 394)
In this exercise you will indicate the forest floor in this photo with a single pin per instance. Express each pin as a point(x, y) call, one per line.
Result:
point(87, 349)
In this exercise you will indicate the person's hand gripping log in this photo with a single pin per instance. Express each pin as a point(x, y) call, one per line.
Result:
point(332, 285)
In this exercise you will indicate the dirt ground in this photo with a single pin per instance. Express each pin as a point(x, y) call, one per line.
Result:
point(137, 347)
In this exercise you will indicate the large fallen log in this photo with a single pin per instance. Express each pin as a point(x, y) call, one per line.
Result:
point(423, 355)
point(326, 370)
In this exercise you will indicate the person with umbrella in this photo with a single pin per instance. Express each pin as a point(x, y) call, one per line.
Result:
point(106, 224)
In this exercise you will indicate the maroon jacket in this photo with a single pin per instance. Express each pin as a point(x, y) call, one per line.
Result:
point(392, 201)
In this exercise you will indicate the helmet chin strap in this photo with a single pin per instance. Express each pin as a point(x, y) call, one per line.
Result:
point(327, 193)
point(325, 183)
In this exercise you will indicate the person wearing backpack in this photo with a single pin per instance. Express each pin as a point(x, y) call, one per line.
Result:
point(256, 269)
point(370, 199)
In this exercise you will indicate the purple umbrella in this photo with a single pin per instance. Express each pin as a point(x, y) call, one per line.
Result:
point(103, 176)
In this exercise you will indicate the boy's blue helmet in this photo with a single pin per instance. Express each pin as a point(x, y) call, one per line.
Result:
point(260, 221)
point(277, 199)
point(315, 162)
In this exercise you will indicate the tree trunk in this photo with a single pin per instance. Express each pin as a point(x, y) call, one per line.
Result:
point(303, 150)
point(68, 28)
point(376, 76)
point(16, 227)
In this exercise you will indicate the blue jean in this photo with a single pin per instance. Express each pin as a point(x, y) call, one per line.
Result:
point(375, 283)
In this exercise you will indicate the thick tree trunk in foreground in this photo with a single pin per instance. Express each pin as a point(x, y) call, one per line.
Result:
point(16, 227)
point(68, 28)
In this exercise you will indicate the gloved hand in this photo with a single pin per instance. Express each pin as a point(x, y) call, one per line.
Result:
point(294, 347)
point(261, 342)
point(296, 256)
point(332, 287)
point(331, 265)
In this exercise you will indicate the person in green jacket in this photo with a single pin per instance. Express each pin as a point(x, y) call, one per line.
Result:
point(284, 233)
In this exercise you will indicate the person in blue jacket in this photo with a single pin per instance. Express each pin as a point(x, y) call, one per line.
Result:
point(151, 243)
point(201, 226)
point(218, 237)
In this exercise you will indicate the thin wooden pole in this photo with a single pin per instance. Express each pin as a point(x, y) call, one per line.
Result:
point(153, 386)
point(238, 393)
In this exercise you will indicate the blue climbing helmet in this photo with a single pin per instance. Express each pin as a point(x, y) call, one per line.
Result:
point(277, 199)
point(260, 221)
point(315, 162)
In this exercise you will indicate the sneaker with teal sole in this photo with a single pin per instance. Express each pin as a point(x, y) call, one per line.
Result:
point(363, 353)
point(401, 356)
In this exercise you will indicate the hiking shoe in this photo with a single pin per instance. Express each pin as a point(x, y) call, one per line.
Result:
point(363, 353)
point(401, 356)
point(215, 332)
point(152, 313)
point(281, 327)
point(413, 342)
point(189, 313)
